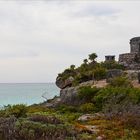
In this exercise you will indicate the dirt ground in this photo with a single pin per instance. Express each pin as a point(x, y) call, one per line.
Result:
point(103, 83)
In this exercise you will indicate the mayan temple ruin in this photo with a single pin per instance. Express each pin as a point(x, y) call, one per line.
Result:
point(132, 60)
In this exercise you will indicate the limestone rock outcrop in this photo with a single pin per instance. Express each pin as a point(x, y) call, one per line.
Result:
point(113, 73)
point(88, 117)
point(69, 95)
point(64, 83)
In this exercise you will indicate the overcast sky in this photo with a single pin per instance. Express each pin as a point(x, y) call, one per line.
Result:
point(40, 39)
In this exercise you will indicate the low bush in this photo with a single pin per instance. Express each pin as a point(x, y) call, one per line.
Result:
point(117, 99)
point(45, 119)
point(86, 136)
point(19, 110)
point(67, 109)
point(37, 108)
point(70, 117)
point(28, 130)
point(112, 65)
point(120, 82)
point(99, 73)
point(23, 129)
point(83, 77)
point(87, 108)
point(87, 93)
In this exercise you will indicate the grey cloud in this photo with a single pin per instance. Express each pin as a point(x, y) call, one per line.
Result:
point(43, 38)
point(95, 10)
point(25, 54)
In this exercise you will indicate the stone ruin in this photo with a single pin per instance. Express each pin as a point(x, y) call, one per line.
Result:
point(132, 60)
point(109, 58)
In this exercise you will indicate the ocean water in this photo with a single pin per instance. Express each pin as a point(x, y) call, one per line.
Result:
point(26, 93)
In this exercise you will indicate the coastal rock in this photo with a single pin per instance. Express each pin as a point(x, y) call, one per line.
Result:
point(87, 83)
point(100, 83)
point(69, 95)
point(87, 117)
point(56, 101)
point(64, 83)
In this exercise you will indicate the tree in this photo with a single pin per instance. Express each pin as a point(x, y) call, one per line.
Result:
point(85, 61)
point(92, 57)
point(72, 67)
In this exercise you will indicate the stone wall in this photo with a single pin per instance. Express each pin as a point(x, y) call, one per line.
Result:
point(130, 60)
point(127, 58)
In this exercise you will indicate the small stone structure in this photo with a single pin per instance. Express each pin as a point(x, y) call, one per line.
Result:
point(132, 60)
point(110, 58)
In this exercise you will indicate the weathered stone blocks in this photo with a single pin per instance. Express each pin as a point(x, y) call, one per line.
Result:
point(131, 60)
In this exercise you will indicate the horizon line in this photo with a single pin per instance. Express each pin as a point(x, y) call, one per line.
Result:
point(26, 82)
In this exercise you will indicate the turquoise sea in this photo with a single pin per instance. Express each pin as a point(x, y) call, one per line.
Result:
point(27, 93)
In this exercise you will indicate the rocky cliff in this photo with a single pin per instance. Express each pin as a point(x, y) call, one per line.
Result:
point(68, 95)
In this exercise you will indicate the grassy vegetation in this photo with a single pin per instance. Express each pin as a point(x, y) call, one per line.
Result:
point(90, 69)
point(117, 106)
point(121, 119)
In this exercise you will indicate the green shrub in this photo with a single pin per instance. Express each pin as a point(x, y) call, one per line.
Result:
point(67, 73)
point(24, 129)
point(83, 77)
point(71, 117)
point(87, 108)
point(37, 108)
point(99, 73)
point(19, 110)
point(45, 119)
point(120, 82)
point(2, 113)
point(116, 98)
point(66, 108)
point(86, 136)
point(112, 65)
point(87, 93)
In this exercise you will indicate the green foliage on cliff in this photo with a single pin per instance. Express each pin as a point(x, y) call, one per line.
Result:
point(19, 110)
point(90, 69)
point(99, 73)
point(87, 108)
point(85, 72)
point(87, 93)
point(112, 65)
point(120, 82)
point(110, 96)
